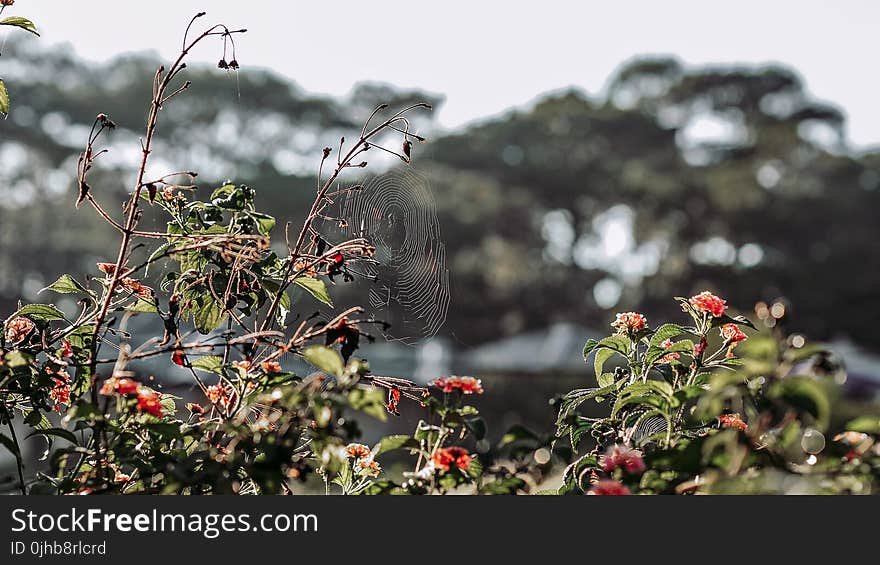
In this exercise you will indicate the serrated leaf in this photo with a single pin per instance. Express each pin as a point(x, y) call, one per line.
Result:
point(576, 476)
point(325, 359)
point(40, 313)
point(589, 347)
point(208, 316)
point(66, 285)
point(664, 332)
point(209, 364)
point(316, 288)
point(20, 22)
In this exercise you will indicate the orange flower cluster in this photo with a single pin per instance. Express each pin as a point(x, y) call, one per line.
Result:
point(371, 466)
point(447, 457)
point(708, 302)
point(467, 385)
point(357, 450)
point(732, 421)
point(629, 322)
point(218, 395)
point(17, 329)
point(270, 366)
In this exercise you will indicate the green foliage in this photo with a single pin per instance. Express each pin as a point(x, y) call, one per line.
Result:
point(683, 421)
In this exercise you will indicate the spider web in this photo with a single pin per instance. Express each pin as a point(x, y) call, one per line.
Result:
point(407, 281)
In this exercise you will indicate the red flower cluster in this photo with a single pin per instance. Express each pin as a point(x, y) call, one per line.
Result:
point(629, 321)
point(732, 334)
point(608, 487)
point(467, 385)
point(448, 457)
point(620, 456)
point(149, 401)
point(115, 385)
point(708, 302)
point(732, 421)
point(60, 393)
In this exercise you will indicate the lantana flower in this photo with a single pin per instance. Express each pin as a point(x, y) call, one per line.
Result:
point(733, 421)
point(629, 322)
point(271, 366)
point(60, 393)
point(620, 456)
point(18, 328)
point(708, 302)
point(732, 335)
point(357, 450)
point(149, 401)
point(608, 487)
point(219, 395)
point(123, 386)
point(467, 385)
point(669, 357)
point(448, 457)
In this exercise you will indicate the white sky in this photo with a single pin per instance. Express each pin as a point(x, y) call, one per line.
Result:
point(487, 56)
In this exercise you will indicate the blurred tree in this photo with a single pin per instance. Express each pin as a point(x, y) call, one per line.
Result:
point(680, 179)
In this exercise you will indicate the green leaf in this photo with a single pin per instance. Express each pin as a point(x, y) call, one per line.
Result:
point(725, 319)
point(66, 285)
point(325, 359)
point(576, 476)
point(143, 306)
point(618, 343)
point(316, 288)
point(40, 313)
point(577, 397)
point(371, 402)
point(655, 352)
point(283, 309)
point(209, 364)
point(865, 424)
point(265, 222)
point(4, 98)
point(517, 433)
point(392, 443)
point(605, 379)
point(804, 394)
point(57, 432)
point(23, 23)
point(599, 362)
point(664, 332)
point(589, 347)
point(208, 316)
